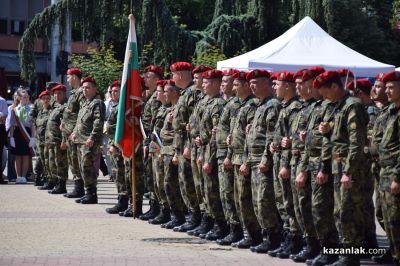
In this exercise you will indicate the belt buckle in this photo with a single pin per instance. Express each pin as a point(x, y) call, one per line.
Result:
point(337, 157)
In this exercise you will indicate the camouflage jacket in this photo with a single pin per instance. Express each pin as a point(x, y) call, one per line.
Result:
point(244, 117)
point(111, 125)
point(71, 111)
point(167, 134)
point(158, 125)
point(389, 150)
point(182, 112)
point(210, 120)
point(41, 124)
point(229, 113)
point(90, 121)
point(53, 132)
point(37, 106)
point(261, 130)
point(377, 132)
point(149, 115)
point(286, 117)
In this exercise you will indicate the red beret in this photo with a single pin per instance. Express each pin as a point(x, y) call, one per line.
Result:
point(286, 76)
point(115, 83)
point(181, 66)
point(74, 71)
point(240, 75)
point(44, 93)
point(324, 77)
point(89, 79)
point(309, 73)
point(274, 75)
point(169, 82)
point(257, 73)
point(161, 82)
point(230, 72)
point(201, 69)
point(379, 77)
point(344, 72)
point(391, 76)
point(299, 73)
point(212, 74)
point(59, 87)
point(155, 69)
point(361, 84)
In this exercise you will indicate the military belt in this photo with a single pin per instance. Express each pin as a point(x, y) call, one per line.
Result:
point(315, 153)
point(256, 150)
point(295, 152)
point(337, 156)
point(387, 162)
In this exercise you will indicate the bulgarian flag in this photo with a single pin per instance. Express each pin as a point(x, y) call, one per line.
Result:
point(130, 100)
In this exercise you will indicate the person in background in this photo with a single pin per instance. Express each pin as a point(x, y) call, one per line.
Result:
point(21, 141)
point(105, 154)
point(3, 134)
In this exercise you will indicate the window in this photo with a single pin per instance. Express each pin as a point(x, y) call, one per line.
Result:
point(3, 26)
point(17, 27)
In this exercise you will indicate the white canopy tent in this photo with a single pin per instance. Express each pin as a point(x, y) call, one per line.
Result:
point(398, 69)
point(305, 45)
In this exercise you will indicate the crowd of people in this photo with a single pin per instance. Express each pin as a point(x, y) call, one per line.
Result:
point(281, 163)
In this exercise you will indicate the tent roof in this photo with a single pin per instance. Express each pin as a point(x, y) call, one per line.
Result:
point(304, 45)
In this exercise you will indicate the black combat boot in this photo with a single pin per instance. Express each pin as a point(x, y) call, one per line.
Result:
point(322, 260)
point(309, 252)
point(220, 231)
point(49, 185)
point(78, 190)
point(163, 217)
point(90, 196)
point(152, 212)
point(205, 225)
point(193, 221)
point(38, 180)
point(294, 246)
point(120, 206)
point(235, 235)
point(384, 258)
point(284, 243)
point(271, 241)
point(60, 188)
point(139, 206)
point(177, 220)
point(347, 260)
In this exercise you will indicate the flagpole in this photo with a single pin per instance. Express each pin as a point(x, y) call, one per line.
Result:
point(133, 164)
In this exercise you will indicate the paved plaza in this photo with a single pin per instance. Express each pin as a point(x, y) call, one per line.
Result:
point(37, 228)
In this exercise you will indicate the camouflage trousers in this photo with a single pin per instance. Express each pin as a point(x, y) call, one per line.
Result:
point(391, 218)
point(38, 167)
point(87, 159)
point(212, 194)
point(57, 162)
point(302, 201)
point(139, 174)
point(322, 203)
point(244, 204)
point(158, 173)
point(368, 209)
point(348, 207)
point(278, 193)
point(186, 184)
point(44, 159)
point(73, 163)
point(226, 190)
point(149, 177)
point(262, 188)
point(375, 169)
point(118, 172)
point(198, 180)
point(171, 186)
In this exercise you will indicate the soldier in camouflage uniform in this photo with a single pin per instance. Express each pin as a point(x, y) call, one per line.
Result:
point(117, 161)
point(300, 181)
point(151, 75)
point(181, 74)
point(36, 107)
point(207, 143)
point(389, 182)
point(155, 151)
point(193, 129)
point(234, 158)
point(88, 133)
point(75, 100)
point(171, 179)
point(226, 175)
point(260, 132)
point(286, 90)
point(40, 130)
point(348, 136)
point(57, 155)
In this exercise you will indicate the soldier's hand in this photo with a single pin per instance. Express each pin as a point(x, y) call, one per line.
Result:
point(229, 140)
point(197, 141)
point(273, 148)
point(199, 161)
point(346, 181)
point(170, 117)
point(186, 153)
point(214, 131)
point(248, 127)
point(207, 168)
point(187, 127)
point(61, 126)
point(324, 128)
point(395, 187)
point(89, 143)
point(72, 137)
point(263, 167)
point(286, 142)
point(228, 164)
point(322, 178)
point(63, 146)
point(284, 173)
point(301, 179)
point(160, 157)
point(244, 170)
point(302, 135)
point(175, 160)
point(112, 150)
point(145, 151)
